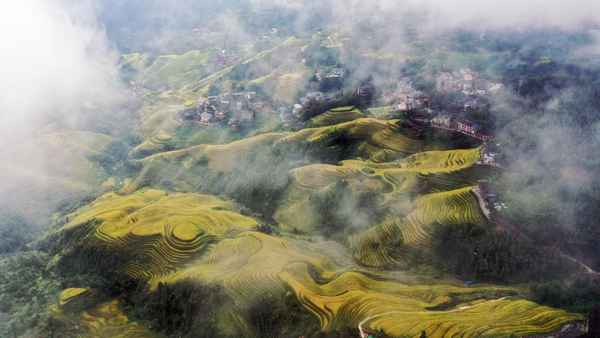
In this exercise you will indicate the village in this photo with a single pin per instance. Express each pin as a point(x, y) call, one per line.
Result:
point(236, 110)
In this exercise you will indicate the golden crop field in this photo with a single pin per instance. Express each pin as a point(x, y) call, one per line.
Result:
point(168, 229)
point(247, 263)
point(446, 208)
point(378, 137)
point(395, 179)
point(495, 318)
point(177, 234)
point(175, 70)
point(382, 113)
point(336, 116)
point(96, 319)
point(69, 294)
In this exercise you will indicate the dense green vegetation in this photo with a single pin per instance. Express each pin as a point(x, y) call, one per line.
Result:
point(337, 207)
point(15, 232)
point(578, 295)
point(476, 253)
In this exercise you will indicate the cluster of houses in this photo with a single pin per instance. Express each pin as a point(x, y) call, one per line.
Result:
point(224, 59)
point(406, 97)
point(304, 103)
point(477, 93)
point(466, 81)
point(234, 109)
point(452, 120)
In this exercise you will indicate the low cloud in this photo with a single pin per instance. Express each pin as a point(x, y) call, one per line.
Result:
point(455, 14)
point(57, 65)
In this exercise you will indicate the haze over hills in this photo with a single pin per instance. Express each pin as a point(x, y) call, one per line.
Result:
point(299, 169)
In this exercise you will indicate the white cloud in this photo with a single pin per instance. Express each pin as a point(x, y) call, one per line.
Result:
point(52, 52)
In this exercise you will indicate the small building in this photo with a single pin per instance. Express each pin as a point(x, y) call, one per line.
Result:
point(468, 75)
point(336, 72)
point(364, 90)
point(470, 106)
point(488, 191)
point(446, 82)
point(201, 102)
point(246, 117)
point(467, 126)
point(256, 105)
point(205, 118)
point(238, 106)
point(220, 114)
point(233, 122)
point(444, 119)
point(490, 152)
point(297, 110)
point(416, 100)
point(405, 86)
point(304, 102)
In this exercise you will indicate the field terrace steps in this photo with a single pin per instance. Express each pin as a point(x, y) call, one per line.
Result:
point(336, 116)
point(246, 263)
point(446, 208)
point(164, 230)
point(397, 179)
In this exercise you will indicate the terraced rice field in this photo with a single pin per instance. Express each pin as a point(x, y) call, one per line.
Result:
point(174, 70)
point(159, 121)
point(336, 116)
point(223, 157)
point(169, 230)
point(166, 230)
point(397, 178)
point(378, 136)
point(69, 294)
point(446, 208)
point(496, 318)
point(106, 320)
point(382, 113)
point(185, 235)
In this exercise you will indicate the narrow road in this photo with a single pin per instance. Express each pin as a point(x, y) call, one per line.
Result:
point(585, 267)
point(364, 335)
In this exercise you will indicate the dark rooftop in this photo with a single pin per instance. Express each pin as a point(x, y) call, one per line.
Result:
point(467, 122)
point(575, 334)
point(488, 188)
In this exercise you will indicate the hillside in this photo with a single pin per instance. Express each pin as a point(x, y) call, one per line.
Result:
point(275, 176)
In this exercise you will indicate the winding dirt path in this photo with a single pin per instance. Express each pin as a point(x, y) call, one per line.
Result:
point(585, 267)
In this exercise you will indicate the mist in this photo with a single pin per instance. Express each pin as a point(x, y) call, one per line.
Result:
point(58, 68)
